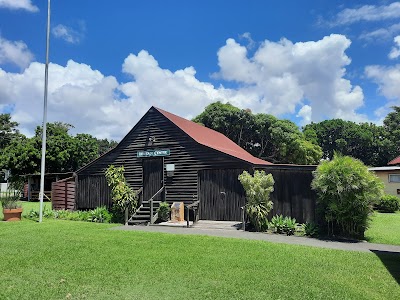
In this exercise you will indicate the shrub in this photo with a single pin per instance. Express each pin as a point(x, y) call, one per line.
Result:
point(346, 191)
point(388, 204)
point(282, 224)
point(122, 194)
point(311, 229)
point(163, 211)
point(99, 215)
point(258, 189)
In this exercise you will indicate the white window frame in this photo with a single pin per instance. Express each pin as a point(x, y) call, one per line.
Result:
point(397, 180)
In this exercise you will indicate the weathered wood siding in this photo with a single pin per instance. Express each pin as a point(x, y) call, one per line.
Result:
point(63, 194)
point(222, 195)
point(292, 194)
point(92, 192)
point(187, 155)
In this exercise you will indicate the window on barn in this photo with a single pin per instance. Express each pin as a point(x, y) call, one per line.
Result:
point(394, 177)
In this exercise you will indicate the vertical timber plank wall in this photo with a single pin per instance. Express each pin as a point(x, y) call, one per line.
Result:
point(188, 156)
point(292, 194)
point(222, 195)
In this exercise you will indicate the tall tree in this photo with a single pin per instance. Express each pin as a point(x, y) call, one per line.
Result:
point(8, 130)
point(263, 135)
point(366, 141)
point(64, 152)
point(392, 126)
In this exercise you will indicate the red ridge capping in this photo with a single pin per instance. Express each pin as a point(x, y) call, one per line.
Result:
point(395, 161)
point(212, 138)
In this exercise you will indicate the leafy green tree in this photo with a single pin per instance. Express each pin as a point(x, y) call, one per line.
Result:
point(258, 189)
point(84, 149)
point(64, 152)
point(366, 141)
point(391, 124)
point(59, 146)
point(20, 157)
point(235, 123)
point(8, 130)
point(346, 192)
point(263, 135)
point(105, 145)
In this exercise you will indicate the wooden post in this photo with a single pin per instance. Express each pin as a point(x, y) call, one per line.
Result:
point(187, 217)
point(29, 188)
point(151, 211)
point(243, 219)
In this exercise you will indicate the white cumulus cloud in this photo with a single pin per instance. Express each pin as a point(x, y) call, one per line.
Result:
point(19, 4)
point(387, 78)
point(15, 52)
point(68, 34)
point(395, 52)
point(381, 34)
point(305, 79)
point(281, 75)
point(367, 13)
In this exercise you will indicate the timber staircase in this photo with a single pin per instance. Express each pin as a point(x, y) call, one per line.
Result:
point(147, 211)
point(142, 215)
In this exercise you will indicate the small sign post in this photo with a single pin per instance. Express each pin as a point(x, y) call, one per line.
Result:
point(153, 153)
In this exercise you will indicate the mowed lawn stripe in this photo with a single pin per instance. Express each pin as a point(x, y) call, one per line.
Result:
point(77, 260)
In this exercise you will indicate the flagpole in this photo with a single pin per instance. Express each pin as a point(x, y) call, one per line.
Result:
point(44, 127)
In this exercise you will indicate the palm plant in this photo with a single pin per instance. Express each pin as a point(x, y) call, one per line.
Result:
point(258, 189)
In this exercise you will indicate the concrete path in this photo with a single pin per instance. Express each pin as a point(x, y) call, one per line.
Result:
point(230, 231)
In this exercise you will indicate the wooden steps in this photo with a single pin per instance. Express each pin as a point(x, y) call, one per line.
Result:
point(142, 214)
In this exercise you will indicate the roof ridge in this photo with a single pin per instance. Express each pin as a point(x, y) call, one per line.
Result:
point(211, 138)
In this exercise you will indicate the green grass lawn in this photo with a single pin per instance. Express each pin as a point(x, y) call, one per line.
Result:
point(384, 229)
point(76, 260)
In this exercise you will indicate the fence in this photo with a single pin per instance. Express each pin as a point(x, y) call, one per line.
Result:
point(63, 194)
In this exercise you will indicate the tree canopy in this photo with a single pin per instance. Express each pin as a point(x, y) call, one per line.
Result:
point(365, 141)
point(263, 135)
point(64, 152)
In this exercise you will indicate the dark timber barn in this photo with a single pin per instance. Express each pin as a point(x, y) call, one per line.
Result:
point(186, 162)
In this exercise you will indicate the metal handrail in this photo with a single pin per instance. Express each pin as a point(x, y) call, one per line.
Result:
point(193, 206)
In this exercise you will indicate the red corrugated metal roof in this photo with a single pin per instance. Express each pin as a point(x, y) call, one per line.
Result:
point(395, 161)
point(212, 138)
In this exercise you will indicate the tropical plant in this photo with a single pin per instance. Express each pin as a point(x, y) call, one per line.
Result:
point(281, 224)
point(99, 215)
point(122, 194)
point(346, 191)
point(290, 225)
point(388, 204)
point(163, 211)
point(258, 189)
point(277, 223)
point(311, 229)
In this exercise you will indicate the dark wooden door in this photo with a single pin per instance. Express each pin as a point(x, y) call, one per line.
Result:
point(221, 195)
point(153, 170)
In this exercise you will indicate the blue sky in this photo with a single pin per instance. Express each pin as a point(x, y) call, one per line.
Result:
point(111, 60)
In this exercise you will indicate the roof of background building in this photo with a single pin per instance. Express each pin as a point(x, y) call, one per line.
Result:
point(395, 161)
point(394, 168)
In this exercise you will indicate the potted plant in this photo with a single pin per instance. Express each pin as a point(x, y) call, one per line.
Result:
point(12, 210)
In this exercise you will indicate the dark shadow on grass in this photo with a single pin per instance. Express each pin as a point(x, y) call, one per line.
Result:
point(391, 260)
point(338, 239)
